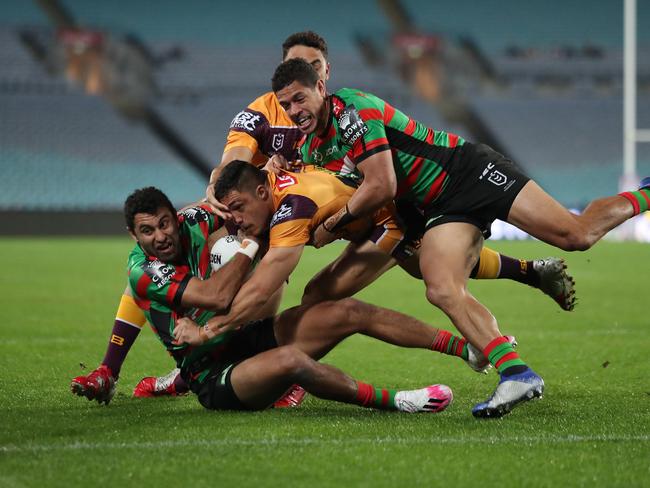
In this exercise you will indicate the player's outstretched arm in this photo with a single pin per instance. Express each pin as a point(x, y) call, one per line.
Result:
point(271, 272)
point(377, 189)
point(217, 292)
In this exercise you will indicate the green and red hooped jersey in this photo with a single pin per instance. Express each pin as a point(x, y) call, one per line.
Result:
point(158, 286)
point(361, 124)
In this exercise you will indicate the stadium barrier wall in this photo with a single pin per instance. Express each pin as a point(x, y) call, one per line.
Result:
point(100, 223)
point(107, 223)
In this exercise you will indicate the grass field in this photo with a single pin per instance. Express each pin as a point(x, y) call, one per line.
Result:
point(591, 429)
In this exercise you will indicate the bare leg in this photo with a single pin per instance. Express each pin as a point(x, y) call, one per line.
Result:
point(264, 378)
point(448, 254)
point(357, 267)
point(536, 212)
point(316, 329)
point(260, 380)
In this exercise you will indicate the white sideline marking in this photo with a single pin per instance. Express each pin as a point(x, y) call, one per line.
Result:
point(315, 441)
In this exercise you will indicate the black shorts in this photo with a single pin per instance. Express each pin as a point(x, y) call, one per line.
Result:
point(215, 392)
point(412, 220)
point(481, 189)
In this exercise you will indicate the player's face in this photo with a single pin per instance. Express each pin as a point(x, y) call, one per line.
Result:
point(313, 56)
point(305, 106)
point(158, 234)
point(250, 211)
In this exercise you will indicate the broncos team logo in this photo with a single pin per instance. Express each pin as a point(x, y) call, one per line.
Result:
point(281, 214)
point(294, 207)
point(246, 121)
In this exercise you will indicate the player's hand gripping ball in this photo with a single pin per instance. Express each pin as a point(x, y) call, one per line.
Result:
point(223, 251)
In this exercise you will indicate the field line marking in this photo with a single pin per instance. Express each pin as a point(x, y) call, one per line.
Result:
point(10, 448)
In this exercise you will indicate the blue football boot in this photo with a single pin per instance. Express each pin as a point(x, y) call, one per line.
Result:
point(645, 183)
point(511, 391)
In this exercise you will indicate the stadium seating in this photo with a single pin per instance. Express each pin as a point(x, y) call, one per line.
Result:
point(572, 147)
point(74, 152)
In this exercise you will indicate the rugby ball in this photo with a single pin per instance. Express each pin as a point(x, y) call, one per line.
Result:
point(223, 250)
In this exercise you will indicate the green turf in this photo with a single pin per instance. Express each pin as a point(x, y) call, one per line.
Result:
point(591, 429)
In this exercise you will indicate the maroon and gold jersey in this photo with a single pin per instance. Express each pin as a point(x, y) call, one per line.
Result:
point(303, 200)
point(265, 129)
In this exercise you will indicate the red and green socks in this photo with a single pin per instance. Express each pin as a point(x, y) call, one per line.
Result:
point(640, 199)
point(447, 343)
point(503, 357)
point(371, 397)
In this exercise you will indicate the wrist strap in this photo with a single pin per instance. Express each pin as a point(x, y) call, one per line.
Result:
point(325, 227)
point(249, 248)
point(345, 219)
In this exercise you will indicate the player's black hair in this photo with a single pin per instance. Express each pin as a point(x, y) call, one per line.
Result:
point(239, 176)
point(145, 200)
point(294, 70)
point(306, 38)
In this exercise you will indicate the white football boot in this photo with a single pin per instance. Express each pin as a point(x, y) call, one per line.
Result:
point(432, 399)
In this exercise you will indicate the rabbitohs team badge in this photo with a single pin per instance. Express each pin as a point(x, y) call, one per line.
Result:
point(194, 215)
point(351, 126)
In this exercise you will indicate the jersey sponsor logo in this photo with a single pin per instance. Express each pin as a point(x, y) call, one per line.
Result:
point(278, 141)
point(245, 121)
point(329, 152)
point(283, 181)
point(160, 273)
point(282, 214)
point(495, 177)
point(351, 125)
point(194, 215)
